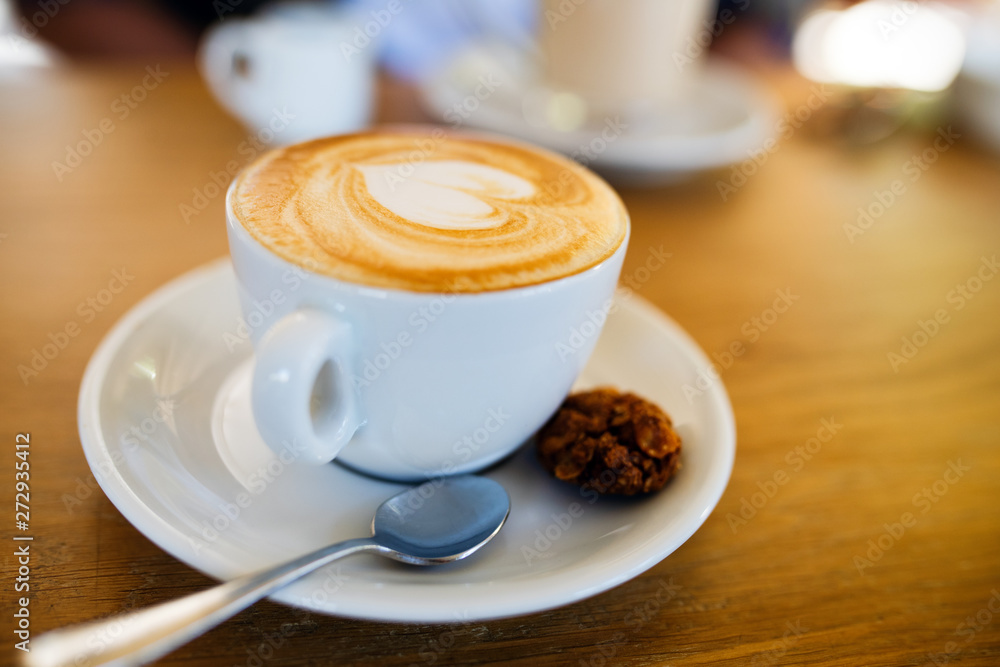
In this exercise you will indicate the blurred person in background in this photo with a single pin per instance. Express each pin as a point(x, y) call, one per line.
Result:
point(422, 37)
point(123, 28)
point(419, 39)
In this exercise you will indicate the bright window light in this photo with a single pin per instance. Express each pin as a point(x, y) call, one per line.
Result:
point(881, 44)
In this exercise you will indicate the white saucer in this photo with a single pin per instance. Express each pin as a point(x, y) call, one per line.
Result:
point(724, 117)
point(165, 371)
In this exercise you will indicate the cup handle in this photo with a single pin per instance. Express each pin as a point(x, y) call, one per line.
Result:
point(302, 391)
point(223, 47)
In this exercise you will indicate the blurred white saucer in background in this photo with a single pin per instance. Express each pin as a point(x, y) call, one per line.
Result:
point(724, 117)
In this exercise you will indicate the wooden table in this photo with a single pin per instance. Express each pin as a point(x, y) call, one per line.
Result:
point(861, 524)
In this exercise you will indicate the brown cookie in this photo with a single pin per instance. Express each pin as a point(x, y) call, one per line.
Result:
point(611, 442)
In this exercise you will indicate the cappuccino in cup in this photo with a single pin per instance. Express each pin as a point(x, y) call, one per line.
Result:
point(427, 292)
point(429, 213)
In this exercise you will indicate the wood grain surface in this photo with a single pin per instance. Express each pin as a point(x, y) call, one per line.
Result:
point(861, 525)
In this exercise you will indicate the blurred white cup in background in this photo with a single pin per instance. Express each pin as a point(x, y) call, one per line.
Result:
point(622, 55)
point(298, 60)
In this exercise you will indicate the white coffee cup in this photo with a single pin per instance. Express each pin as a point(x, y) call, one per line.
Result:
point(291, 59)
point(410, 385)
point(620, 56)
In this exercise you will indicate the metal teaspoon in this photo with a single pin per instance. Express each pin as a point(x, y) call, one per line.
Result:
point(438, 522)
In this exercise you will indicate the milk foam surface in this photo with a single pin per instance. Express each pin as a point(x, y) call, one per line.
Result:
point(428, 212)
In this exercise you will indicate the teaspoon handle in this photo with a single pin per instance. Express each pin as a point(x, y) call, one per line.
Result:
point(142, 636)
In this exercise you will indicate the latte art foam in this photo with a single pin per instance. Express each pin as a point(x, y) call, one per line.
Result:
point(429, 212)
